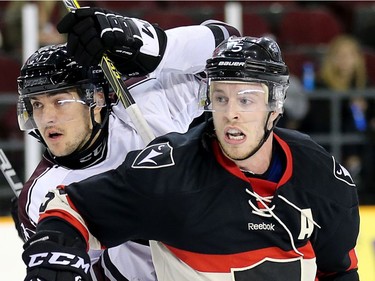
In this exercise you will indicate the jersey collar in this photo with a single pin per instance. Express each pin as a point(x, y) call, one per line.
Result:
point(231, 167)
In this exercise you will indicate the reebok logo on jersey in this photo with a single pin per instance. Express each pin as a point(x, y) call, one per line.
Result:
point(341, 173)
point(155, 156)
point(261, 226)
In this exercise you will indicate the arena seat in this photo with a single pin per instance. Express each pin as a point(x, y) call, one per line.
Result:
point(308, 27)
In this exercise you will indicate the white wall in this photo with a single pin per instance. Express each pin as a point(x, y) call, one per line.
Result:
point(11, 264)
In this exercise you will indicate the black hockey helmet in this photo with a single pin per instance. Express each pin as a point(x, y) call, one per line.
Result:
point(249, 59)
point(50, 69)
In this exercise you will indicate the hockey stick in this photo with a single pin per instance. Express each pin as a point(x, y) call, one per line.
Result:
point(9, 173)
point(122, 92)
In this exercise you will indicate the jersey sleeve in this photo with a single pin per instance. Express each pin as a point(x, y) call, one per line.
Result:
point(336, 257)
point(133, 201)
point(57, 206)
point(184, 49)
point(336, 241)
point(30, 199)
point(189, 47)
point(94, 207)
point(25, 223)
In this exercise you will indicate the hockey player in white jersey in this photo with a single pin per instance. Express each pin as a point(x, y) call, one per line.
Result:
point(67, 106)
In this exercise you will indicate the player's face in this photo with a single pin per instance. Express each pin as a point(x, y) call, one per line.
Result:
point(63, 121)
point(240, 114)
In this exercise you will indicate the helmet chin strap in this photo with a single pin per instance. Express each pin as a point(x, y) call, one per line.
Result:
point(96, 127)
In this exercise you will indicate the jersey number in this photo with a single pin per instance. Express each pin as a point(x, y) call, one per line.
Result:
point(47, 199)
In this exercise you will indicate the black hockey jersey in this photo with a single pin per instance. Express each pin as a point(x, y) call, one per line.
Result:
point(212, 222)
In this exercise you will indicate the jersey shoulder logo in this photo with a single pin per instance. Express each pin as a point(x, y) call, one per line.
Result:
point(342, 173)
point(158, 155)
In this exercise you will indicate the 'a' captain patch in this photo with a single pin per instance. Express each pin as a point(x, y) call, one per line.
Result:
point(154, 156)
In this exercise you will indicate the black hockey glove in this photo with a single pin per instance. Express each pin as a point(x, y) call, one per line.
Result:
point(95, 31)
point(50, 256)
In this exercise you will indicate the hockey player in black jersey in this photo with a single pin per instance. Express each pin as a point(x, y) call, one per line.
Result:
point(233, 199)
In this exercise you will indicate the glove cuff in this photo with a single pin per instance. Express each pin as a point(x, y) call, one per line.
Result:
point(48, 253)
point(146, 60)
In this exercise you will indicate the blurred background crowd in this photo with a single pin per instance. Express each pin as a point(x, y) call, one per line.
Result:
point(328, 45)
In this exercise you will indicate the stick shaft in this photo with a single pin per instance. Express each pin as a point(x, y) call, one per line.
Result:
point(122, 92)
point(9, 174)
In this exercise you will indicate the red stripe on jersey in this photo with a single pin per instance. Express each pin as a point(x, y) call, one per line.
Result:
point(67, 217)
point(260, 186)
point(230, 166)
point(289, 160)
point(353, 265)
point(224, 263)
point(263, 187)
point(353, 260)
point(224, 161)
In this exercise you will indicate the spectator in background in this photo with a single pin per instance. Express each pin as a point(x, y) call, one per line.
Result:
point(48, 13)
point(343, 68)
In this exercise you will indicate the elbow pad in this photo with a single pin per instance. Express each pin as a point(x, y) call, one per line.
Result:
point(221, 30)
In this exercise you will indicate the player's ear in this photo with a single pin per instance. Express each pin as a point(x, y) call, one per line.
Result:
point(99, 104)
point(99, 101)
point(272, 118)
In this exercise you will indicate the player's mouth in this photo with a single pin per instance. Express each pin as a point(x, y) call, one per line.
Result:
point(53, 134)
point(234, 136)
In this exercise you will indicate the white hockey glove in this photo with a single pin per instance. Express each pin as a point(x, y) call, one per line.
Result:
point(50, 256)
point(135, 46)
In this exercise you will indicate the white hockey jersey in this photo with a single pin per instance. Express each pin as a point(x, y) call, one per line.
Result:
point(168, 100)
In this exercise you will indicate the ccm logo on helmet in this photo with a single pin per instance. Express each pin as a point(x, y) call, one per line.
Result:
point(232, 63)
point(57, 258)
